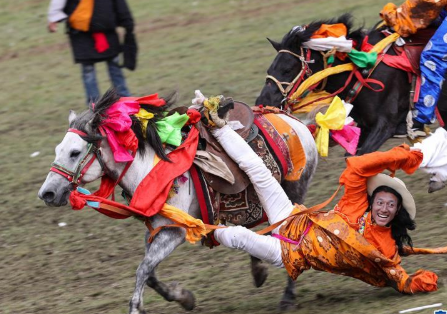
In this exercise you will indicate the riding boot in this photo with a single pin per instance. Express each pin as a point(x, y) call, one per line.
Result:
point(272, 196)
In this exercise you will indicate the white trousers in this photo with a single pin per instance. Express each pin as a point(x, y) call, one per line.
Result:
point(273, 199)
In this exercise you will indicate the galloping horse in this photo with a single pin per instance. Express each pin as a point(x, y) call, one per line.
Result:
point(378, 114)
point(87, 154)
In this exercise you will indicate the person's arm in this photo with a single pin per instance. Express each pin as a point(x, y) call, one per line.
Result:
point(124, 16)
point(420, 281)
point(355, 200)
point(412, 15)
point(56, 14)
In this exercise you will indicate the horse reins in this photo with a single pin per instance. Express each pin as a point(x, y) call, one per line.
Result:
point(305, 71)
point(93, 153)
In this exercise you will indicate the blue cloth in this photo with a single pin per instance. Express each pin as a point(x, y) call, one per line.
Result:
point(433, 67)
point(91, 84)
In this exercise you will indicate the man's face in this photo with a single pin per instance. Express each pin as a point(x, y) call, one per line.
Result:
point(384, 208)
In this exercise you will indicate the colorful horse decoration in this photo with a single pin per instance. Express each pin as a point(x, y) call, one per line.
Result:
point(150, 153)
point(376, 72)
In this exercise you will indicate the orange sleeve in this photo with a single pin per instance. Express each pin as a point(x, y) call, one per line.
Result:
point(420, 281)
point(355, 200)
point(423, 281)
point(412, 15)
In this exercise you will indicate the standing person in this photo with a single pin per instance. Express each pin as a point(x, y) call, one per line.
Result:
point(91, 27)
point(406, 20)
point(362, 237)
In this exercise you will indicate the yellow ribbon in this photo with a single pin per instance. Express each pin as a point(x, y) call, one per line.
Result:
point(212, 103)
point(333, 119)
point(144, 116)
point(319, 76)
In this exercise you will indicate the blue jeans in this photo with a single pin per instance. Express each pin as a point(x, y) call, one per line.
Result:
point(91, 84)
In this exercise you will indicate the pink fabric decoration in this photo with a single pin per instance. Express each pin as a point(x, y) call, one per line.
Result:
point(119, 121)
point(348, 137)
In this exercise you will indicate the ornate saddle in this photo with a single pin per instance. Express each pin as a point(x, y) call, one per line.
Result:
point(244, 114)
point(414, 46)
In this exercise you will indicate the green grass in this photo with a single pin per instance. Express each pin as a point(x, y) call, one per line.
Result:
point(88, 266)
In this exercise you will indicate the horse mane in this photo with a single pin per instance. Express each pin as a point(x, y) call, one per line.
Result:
point(89, 121)
point(299, 34)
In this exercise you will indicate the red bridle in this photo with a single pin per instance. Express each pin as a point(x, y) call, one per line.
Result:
point(291, 87)
point(86, 161)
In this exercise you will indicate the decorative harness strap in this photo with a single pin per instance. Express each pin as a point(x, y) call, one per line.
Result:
point(311, 82)
point(87, 160)
point(305, 71)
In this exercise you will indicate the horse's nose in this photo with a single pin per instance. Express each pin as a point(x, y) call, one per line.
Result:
point(47, 196)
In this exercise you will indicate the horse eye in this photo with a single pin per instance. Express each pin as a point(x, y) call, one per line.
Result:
point(74, 154)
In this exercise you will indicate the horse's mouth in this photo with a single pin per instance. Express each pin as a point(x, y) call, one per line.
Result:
point(434, 186)
point(60, 201)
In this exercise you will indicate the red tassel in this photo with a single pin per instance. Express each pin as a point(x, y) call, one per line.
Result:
point(76, 200)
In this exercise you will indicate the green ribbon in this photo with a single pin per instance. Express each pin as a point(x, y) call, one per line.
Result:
point(169, 128)
point(363, 59)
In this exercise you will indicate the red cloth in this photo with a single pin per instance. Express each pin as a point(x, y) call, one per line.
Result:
point(101, 43)
point(152, 100)
point(399, 62)
point(152, 193)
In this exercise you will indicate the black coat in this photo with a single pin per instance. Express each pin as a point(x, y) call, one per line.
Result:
point(107, 16)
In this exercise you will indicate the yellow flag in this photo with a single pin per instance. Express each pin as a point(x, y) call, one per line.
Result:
point(333, 119)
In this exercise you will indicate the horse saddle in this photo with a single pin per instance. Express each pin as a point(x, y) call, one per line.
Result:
point(415, 44)
point(242, 113)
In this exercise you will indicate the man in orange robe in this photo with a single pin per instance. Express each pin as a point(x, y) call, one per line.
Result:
point(357, 239)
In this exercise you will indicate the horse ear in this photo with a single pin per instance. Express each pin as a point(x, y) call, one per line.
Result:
point(275, 45)
point(71, 116)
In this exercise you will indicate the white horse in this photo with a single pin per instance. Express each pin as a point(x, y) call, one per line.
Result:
point(78, 149)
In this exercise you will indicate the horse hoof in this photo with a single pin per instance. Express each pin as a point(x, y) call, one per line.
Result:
point(259, 273)
point(287, 305)
point(188, 301)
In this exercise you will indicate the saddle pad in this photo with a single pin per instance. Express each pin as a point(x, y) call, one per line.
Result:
point(286, 140)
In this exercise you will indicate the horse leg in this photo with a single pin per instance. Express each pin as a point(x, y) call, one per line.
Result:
point(297, 193)
point(378, 135)
point(172, 292)
point(163, 244)
point(259, 271)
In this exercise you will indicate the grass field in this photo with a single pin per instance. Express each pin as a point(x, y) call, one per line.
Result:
point(88, 266)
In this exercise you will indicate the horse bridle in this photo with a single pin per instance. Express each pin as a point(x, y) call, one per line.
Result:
point(305, 70)
point(93, 153)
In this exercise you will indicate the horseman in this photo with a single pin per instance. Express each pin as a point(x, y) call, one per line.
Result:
point(363, 237)
point(406, 20)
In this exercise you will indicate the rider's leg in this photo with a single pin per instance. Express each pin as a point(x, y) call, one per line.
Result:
point(273, 198)
point(266, 248)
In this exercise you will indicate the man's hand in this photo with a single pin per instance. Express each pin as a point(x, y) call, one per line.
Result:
point(52, 27)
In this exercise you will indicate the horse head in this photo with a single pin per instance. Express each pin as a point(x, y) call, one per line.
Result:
point(294, 62)
point(85, 155)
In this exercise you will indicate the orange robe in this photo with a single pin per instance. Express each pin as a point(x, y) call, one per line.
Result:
point(333, 243)
point(412, 15)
